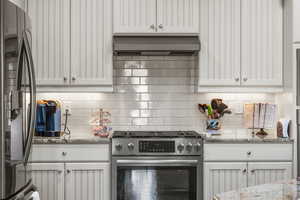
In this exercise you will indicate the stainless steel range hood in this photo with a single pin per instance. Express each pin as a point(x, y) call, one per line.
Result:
point(156, 45)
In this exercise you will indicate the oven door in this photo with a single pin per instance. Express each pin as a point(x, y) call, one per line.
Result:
point(157, 178)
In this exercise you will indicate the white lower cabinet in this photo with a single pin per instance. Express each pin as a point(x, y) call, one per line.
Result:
point(89, 181)
point(49, 178)
point(231, 166)
point(223, 176)
point(71, 172)
point(268, 172)
point(227, 176)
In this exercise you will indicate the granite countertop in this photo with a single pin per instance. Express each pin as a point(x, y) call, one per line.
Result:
point(87, 140)
point(286, 190)
point(244, 138)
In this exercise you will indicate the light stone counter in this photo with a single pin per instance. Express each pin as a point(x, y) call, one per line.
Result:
point(277, 191)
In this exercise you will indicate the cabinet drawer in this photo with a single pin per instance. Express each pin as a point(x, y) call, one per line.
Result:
point(67, 152)
point(248, 152)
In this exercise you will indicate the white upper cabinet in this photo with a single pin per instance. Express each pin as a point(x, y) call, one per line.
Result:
point(50, 40)
point(262, 39)
point(181, 16)
point(241, 43)
point(131, 16)
point(72, 44)
point(219, 57)
point(91, 42)
point(296, 17)
point(156, 16)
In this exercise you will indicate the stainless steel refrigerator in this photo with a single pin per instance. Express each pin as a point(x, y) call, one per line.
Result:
point(18, 101)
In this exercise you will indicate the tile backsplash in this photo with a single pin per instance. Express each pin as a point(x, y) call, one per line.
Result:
point(152, 93)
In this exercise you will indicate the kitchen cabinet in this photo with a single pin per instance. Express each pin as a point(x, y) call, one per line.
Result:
point(233, 166)
point(50, 40)
point(268, 172)
point(65, 172)
point(261, 42)
point(72, 44)
point(226, 176)
point(296, 21)
point(241, 43)
point(91, 42)
point(88, 181)
point(132, 16)
point(156, 16)
point(49, 178)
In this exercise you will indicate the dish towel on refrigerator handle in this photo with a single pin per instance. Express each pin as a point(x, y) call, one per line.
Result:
point(35, 196)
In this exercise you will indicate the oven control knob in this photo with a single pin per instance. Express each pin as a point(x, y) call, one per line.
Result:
point(189, 146)
point(130, 146)
point(118, 147)
point(180, 147)
point(198, 146)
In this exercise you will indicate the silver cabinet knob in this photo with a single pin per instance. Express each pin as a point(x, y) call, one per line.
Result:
point(64, 153)
point(65, 78)
point(245, 79)
point(252, 171)
point(73, 78)
point(237, 79)
point(152, 26)
point(249, 153)
point(244, 170)
point(160, 26)
point(130, 146)
point(68, 171)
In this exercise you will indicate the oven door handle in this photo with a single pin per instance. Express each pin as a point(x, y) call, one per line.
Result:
point(133, 162)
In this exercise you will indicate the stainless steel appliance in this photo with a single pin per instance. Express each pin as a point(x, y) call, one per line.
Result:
point(157, 165)
point(18, 101)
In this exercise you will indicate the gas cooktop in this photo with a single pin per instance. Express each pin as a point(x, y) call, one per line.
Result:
point(156, 134)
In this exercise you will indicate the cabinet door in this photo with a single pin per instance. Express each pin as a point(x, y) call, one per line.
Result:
point(219, 58)
point(91, 42)
point(296, 21)
point(262, 173)
point(50, 40)
point(49, 180)
point(180, 16)
point(89, 181)
point(262, 38)
point(223, 176)
point(131, 16)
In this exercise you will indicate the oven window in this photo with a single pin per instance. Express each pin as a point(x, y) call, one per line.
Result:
point(156, 183)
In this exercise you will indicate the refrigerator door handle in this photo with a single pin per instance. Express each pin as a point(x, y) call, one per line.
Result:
point(25, 50)
point(32, 80)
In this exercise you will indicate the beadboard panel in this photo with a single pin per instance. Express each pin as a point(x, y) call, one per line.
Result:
point(261, 42)
point(180, 16)
point(134, 16)
point(219, 58)
point(262, 173)
point(91, 42)
point(223, 177)
point(49, 179)
point(87, 181)
point(51, 40)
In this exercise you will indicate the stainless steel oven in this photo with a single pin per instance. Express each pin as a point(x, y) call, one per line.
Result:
point(157, 168)
point(157, 178)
